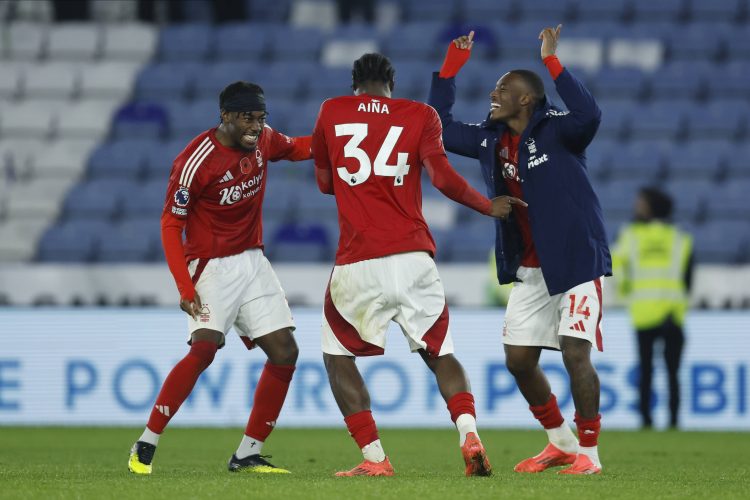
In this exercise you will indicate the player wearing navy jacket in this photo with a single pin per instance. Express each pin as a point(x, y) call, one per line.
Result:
point(555, 249)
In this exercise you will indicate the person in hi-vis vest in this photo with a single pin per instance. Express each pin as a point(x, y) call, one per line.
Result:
point(653, 263)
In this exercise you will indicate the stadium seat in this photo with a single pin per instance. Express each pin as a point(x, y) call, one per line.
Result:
point(122, 159)
point(85, 119)
point(98, 199)
point(663, 119)
point(716, 10)
point(11, 79)
point(730, 80)
point(689, 196)
point(129, 42)
point(74, 41)
point(147, 201)
point(293, 242)
point(682, 79)
point(415, 41)
point(24, 41)
point(699, 159)
point(721, 241)
point(738, 162)
point(737, 44)
point(19, 237)
point(36, 199)
point(277, 10)
point(140, 120)
point(695, 43)
point(616, 117)
point(559, 10)
point(317, 14)
point(192, 118)
point(730, 200)
point(645, 54)
point(722, 118)
point(51, 80)
point(642, 161)
point(242, 43)
point(159, 156)
point(218, 75)
point(166, 80)
point(644, 11)
point(470, 242)
point(598, 156)
point(108, 80)
point(185, 42)
point(74, 241)
point(585, 53)
point(63, 160)
point(125, 242)
point(622, 83)
point(617, 198)
point(29, 119)
point(341, 52)
point(338, 81)
point(434, 10)
point(289, 44)
point(596, 10)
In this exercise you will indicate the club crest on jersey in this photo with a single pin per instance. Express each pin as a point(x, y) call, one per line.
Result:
point(374, 106)
point(181, 197)
point(205, 314)
point(531, 145)
point(510, 171)
point(259, 158)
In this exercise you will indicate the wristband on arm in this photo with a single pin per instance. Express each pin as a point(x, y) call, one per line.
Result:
point(553, 66)
point(455, 58)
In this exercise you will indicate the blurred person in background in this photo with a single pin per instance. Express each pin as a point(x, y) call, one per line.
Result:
point(555, 250)
point(215, 196)
point(653, 262)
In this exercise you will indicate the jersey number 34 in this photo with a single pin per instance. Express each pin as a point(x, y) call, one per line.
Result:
point(358, 131)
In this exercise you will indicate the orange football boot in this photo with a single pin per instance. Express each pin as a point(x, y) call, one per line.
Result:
point(582, 465)
point(368, 468)
point(475, 457)
point(551, 456)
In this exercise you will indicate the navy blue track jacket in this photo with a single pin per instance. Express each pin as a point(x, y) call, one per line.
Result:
point(564, 212)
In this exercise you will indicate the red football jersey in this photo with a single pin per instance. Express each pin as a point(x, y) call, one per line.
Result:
point(373, 148)
point(219, 191)
point(507, 152)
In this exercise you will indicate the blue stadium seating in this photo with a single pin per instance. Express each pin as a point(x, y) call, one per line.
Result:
point(730, 80)
point(700, 159)
point(471, 242)
point(290, 44)
point(662, 10)
point(185, 42)
point(681, 79)
point(158, 158)
point(119, 159)
point(301, 243)
point(716, 10)
point(140, 120)
point(218, 75)
point(94, 200)
point(722, 241)
point(73, 241)
point(689, 196)
point(415, 41)
point(623, 83)
point(730, 201)
point(167, 80)
point(243, 43)
point(125, 243)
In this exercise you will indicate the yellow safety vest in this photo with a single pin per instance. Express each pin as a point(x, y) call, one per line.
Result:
point(650, 261)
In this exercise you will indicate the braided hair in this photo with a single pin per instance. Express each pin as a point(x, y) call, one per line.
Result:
point(372, 68)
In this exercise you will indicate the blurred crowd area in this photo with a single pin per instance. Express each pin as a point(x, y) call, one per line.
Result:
point(97, 97)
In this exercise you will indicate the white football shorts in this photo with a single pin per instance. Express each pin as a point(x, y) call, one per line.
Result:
point(534, 318)
point(242, 291)
point(364, 297)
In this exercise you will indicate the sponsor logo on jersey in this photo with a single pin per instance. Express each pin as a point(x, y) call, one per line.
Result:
point(227, 177)
point(484, 143)
point(181, 196)
point(553, 112)
point(245, 189)
point(259, 158)
point(179, 211)
point(374, 106)
point(535, 162)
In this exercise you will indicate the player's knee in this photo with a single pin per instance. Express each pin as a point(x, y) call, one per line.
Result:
point(576, 355)
point(520, 366)
point(286, 353)
point(205, 351)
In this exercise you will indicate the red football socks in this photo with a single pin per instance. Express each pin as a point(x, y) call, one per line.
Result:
point(362, 428)
point(588, 430)
point(269, 398)
point(548, 414)
point(179, 383)
point(461, 403)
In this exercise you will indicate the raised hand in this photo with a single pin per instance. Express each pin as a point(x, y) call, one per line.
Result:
point(502, 206)
point(549, 38)
point(465, 42)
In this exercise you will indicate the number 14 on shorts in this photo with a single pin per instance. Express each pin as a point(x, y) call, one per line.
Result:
point(581, 309)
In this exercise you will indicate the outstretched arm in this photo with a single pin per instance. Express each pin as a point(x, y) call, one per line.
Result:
point(580, 125)
point(455, 187)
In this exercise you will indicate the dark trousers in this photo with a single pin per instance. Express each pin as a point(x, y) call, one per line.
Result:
point(674, 339)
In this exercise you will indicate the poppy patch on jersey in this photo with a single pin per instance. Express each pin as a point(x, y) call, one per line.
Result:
point(181, 197)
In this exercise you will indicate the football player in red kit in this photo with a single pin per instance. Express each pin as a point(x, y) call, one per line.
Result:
point(369, 150)
point(215, 195)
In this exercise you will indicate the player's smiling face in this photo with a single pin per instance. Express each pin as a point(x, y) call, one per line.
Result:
point(244, 128)
point(504, 99)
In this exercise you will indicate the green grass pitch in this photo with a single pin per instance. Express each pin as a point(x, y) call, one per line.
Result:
point(42, 462)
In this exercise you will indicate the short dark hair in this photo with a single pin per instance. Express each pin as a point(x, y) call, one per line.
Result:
point(236, 89)
point(373, 68)
point(659, 202)
point(533, 81)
